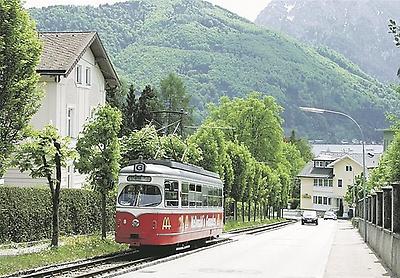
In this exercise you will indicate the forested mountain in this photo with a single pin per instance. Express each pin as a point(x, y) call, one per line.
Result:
point(219, 53)
point(355, 28)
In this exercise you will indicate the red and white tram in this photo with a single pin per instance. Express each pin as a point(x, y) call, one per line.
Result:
point(163, 202)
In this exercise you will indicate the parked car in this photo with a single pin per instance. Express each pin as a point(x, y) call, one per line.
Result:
point(309, 216)
point(330, 215)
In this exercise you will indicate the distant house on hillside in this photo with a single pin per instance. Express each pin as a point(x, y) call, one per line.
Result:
point(324, 180)
point(75, 71)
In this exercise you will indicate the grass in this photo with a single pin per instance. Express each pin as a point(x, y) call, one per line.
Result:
point(72, 248)
point(234, 225)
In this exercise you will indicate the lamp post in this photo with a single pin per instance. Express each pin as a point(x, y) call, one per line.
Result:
point(322, 111)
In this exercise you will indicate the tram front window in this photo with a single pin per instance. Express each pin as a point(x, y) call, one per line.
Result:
point(140, 195)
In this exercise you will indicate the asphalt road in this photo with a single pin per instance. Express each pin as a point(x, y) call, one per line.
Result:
point(294, 251)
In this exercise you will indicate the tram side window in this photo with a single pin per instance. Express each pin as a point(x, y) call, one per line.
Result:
point(185, 194)
point(204, 190)
point(220, 197)
point(199, 201)
point(171, 190)
point(192, 195)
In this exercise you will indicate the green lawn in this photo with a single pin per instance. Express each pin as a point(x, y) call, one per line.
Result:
point(234, 225)
point(72, 248)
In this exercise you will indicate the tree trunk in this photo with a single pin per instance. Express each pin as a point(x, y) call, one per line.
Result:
point(255, 211)
point(55, 219)
point(242, 210)
point(103, 215)
point(249, 212)
point(236, 211)
point(55, 194)
point(224, 210)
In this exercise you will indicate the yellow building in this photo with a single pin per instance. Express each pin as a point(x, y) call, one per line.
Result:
point(324, 181)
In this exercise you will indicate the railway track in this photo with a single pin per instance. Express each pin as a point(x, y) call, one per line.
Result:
point(128, 261)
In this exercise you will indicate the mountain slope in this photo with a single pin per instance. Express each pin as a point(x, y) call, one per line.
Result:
point(218, 53)
point(355, 28)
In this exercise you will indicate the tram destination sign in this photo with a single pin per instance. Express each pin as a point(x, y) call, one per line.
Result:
point(139, 178)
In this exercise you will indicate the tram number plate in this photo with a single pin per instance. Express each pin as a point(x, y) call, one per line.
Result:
point(139, 168)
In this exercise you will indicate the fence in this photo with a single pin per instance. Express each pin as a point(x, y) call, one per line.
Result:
point(383, 224)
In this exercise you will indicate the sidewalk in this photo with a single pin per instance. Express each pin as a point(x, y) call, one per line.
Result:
point(350, 257)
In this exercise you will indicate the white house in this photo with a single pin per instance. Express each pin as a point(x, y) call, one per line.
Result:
point(75, 71)
point(325, 180)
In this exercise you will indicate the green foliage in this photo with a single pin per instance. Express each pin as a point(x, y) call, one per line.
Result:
point(43, 154)
point(19, 94)
point(212, 142)
point(99, 148)
point(38, 153)
point(388, 169)
point(25, 214)
point(218, 53)
point(256, 122)
point(99, 153)
point(302, 145)
point(146, 143)
point(175, 98)
point(177, 149)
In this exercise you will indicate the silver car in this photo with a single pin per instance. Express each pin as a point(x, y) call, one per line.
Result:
point(330, 215)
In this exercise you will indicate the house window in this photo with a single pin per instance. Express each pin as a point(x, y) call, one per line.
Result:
point(315, 182)
point(349, 168)
point(315, 199)
point(320, 182)
point(325, 200)
point(70, 123)
point(79, 74)
point(329, 201)
point(330, 183)
point(326, 182)
point(340, 183)
point(320, 200)
point(88, 76)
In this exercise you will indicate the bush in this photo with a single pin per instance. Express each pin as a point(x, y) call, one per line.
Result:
point(25, 213)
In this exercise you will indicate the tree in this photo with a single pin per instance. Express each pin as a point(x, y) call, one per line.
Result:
point(43, 154)
point(129, 117)
point(240, 157)
point(144, 143)
point(302, 145)
point(257, 124)
point(99, 153)
point(116, 96)
point(148, 103)
point(175, 98)
point(181, 150)
point(19, 94)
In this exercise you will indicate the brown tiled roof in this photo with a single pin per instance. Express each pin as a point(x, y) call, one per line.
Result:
point(62, 50)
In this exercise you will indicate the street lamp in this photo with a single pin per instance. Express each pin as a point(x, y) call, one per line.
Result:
point(322, 111)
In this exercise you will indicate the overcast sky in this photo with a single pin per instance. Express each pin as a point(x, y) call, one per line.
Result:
point(246, 8)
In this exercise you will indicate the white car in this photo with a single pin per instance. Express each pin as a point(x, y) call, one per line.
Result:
point(330, 215)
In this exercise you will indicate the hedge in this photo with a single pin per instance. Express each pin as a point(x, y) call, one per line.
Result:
point(25, 213)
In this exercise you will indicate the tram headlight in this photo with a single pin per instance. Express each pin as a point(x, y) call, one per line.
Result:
point(135, 223)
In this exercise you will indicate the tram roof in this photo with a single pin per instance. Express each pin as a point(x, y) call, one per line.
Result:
point(173, 165)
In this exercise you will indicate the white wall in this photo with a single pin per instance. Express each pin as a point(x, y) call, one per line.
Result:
point(59, 96)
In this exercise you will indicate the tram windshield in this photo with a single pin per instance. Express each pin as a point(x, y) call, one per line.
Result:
point(140, 195)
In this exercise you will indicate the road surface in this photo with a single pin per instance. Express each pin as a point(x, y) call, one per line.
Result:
point(331, 249)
